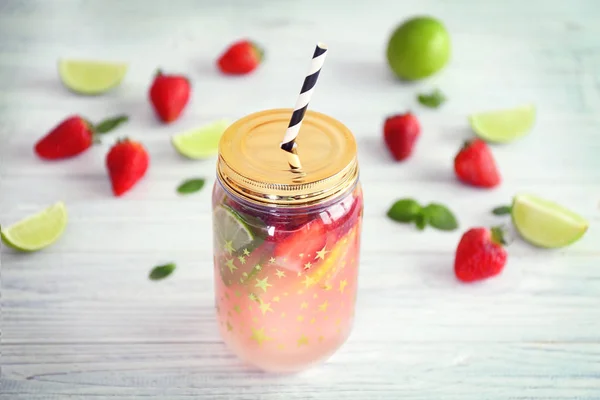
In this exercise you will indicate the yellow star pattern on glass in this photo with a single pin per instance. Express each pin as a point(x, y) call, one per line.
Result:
point(260, 336)
point(228, 246)
point(320, 339)
point(321, 253)
point(263, 284)
point(283, 315)
point(300, 318)
point(272, 260)
point(303, 305)
point(242, 259)
point(237, 309)
point(280, 274)
point(229, 327)
point(307, 265)
point(303, 341)
point(265, 307)
point(343, 285)
point(299, 273)
point(323, 307)
point(230, 265)
point(276, 299)
point(312, 321)
point(328, 286)
point(257, 267)
point(246, 252)
point(308, 281)
point(301, 255)
point(252, 297)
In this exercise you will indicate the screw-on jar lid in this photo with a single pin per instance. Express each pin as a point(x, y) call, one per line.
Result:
point(252, 164)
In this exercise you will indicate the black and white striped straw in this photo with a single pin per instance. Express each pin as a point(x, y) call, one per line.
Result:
point(306, 92)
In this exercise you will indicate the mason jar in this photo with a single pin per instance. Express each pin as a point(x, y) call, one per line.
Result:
point(286, 240)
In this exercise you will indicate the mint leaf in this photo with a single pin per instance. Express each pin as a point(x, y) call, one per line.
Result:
point(421, 221)
point(440, 217)
point(405, 210)
point(191, 186)
point(502, 210)
point(161, 271)
point(433, 99)
point(110, 124)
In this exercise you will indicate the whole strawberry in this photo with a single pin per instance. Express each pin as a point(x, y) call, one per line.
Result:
point(242, 57)
point(400, 133)
point(73, 136)
point(127, 162)
point(474, 165)
point(480, 254)
point(169, 94)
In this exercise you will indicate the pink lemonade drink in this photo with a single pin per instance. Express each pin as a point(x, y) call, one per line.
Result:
point(286, 242)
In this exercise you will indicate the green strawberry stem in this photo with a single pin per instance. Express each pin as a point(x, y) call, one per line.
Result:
point(499, 235)
point(109, 124)
point(502, 210)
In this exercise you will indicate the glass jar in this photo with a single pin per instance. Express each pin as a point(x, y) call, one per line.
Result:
point(286, 241)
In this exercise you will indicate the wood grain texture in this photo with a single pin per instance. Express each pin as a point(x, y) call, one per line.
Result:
point(81, 320)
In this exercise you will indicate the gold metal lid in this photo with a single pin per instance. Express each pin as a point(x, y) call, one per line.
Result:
point(252, 164)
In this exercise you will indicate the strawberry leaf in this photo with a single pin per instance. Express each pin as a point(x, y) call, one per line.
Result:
point(161, 271)
point(405, 210)
point(433, 99)
point(440, 217)
point(109, 124)
point(191, 186)
point(502, 210)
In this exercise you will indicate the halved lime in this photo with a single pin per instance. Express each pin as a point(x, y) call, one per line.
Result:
point(546, 224)
point(503, 126)
point(91, 77)
point(201, 142)
point(232, 232)
point(37, 231)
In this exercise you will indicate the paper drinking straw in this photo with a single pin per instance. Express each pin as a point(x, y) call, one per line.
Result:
point(306, 92)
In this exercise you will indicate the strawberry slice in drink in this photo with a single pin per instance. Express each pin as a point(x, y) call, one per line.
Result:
point(307, 240)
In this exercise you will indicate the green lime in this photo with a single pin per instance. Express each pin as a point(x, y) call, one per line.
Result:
point(418, 48)
point(37, 231)
point(231, 231)
point(201, 142)
point(91, 77)
point(546, 224)
point(503, 126)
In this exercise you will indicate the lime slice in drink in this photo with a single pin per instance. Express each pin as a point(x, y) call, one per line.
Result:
point(37, 231)
point(546, 224)
point(503, 126)
point(232, 232)
point(91, 77)
point(201, 142)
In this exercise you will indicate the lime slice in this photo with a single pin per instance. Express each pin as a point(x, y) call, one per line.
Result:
point(232, 232)
point(201, 142)
point(546, 224)
point(91, 77)
point(37, 231)
point(503, 126)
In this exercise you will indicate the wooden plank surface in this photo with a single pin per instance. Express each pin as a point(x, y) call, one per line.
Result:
point(80, 320)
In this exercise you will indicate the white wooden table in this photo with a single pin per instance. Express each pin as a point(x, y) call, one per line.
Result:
point(82, 321)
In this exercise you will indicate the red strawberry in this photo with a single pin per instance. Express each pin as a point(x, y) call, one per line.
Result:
point(240, 58)
point(127, 162)
point(169, 94)
point(307, 240)
point(480, 254)
point(73, 136)
point(401, 133)
point(475, 165)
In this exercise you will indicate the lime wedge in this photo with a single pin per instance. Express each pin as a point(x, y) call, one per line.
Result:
point(546, 224)
point(37, 231)
point(91, 77)
point(503, 126)
point(201, 142)
point(231, 231)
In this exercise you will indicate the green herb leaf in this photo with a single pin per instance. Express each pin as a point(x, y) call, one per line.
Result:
point(440, 217)
point(405, 210)
point(161, 271)
point(421, 221)
point(191, 186)
point(110, 124)
point(433, 99)
point(502, 210)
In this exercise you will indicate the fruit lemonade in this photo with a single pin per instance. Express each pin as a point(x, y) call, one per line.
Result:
point(285, 276)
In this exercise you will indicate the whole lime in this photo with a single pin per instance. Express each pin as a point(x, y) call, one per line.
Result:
point(418, 48)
